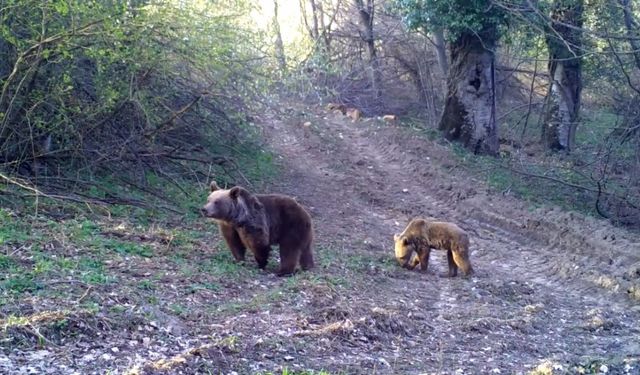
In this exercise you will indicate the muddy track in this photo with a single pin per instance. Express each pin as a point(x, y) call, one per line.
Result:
point(550, 285)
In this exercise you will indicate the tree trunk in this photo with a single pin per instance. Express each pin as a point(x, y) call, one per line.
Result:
point(441, 51)
point(565, 71)
point(366, 12)
point(470, 113)
point(279, 45)
point(632, 30)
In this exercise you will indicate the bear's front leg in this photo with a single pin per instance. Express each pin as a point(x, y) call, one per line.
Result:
point(232, 238)
point(423, 257)
point(262, 256)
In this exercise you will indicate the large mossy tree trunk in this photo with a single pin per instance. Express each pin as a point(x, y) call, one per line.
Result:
point(565, 70)
point(470, 112)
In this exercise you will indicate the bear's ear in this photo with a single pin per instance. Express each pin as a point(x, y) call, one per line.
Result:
point(396, 236)
point(236, 191)
point(214, 186)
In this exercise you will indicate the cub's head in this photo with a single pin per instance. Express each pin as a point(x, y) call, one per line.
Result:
point(404, 248)
point(233, 205)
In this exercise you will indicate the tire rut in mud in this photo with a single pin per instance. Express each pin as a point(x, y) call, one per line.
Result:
point(534, 296)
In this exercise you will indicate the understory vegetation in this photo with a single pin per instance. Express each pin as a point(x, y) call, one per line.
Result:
point(115, 115)
point(110, 102)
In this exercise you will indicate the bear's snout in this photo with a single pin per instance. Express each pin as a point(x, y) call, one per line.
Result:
point(204, 211)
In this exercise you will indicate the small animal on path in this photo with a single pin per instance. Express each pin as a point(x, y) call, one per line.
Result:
point(259, 221)
point(337, 107)
point(420, 236)
point(354, 114)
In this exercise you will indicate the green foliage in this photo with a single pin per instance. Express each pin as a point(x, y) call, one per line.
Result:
point(115, 89)
point(458, 17)
point(11, 229)
point(222, 264)
point(128, 248)
point(287, 371)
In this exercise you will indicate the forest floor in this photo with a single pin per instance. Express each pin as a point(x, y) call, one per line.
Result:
point(554, 292)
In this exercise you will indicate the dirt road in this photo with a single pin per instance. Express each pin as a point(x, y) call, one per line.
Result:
point(553, 293)
point(552, 289)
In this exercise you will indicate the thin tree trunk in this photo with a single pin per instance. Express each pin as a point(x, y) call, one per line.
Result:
point(565, 71)
point(366, 13)
point(279, 45)
point(470, 114)
point(632, 30)
point(314, 14)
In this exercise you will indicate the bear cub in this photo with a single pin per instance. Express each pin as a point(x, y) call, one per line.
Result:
point(420, 236)
point(259, 221)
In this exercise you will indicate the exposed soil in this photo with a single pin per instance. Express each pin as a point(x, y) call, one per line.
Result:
point(553, 291)
point(549, 285)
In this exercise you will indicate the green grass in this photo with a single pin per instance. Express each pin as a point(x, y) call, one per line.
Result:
point(222, 264)
point(12, 230)
point(500, 178)
point(286, 371)
point(146, 285)
point(128, 248)
point(333, 255)
point(6, 262)
point(19, 284)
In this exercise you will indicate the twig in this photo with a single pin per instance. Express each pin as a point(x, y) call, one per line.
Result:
point(526, 120)
point(85, 294)
point(598, 210)
point(39, 335)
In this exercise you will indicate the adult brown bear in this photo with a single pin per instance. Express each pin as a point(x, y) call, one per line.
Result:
point(420, 236)
point(259, 221)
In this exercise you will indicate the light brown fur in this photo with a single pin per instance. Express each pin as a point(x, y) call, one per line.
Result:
point(354, 114)
point(420, 236)
point(333, 107)
point(259, 221)
point(389, 118)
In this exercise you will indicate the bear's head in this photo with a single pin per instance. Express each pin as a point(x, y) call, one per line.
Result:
point(404, 249)
point(235, 205)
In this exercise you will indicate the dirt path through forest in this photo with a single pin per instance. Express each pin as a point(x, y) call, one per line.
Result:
point(550, 287)
point(553, 291)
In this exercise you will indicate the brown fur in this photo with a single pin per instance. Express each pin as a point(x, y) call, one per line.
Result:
point(306, 128)
point(420, 236)
point(354, 114)
point(389, 118)
point(333, 107)
point(259, 221)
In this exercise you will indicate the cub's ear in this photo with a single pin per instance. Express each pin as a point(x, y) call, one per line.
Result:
point(237, 191)
point(214, 186)
point(396, 236)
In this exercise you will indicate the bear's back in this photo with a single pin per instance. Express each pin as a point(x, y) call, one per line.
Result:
point(285, 216)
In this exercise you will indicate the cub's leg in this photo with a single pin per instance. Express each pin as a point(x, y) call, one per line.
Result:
point(232, 238)
point(423, 257)
point(453, 268)
point(415, 260)
point(461, 258)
